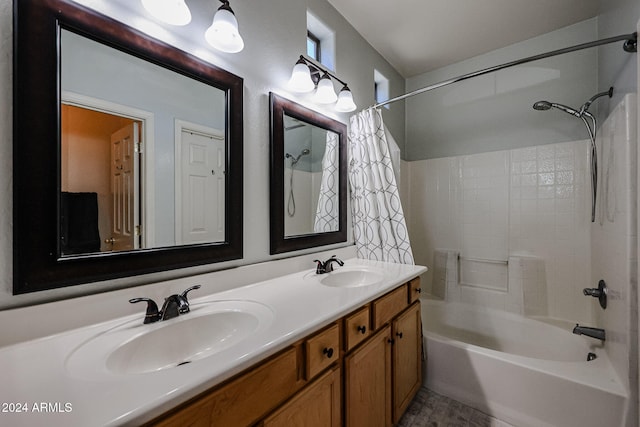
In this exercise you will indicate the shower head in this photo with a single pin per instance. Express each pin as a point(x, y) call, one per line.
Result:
point(305, 152)
point(591, 124)
point(546, 105)
point(542, 105)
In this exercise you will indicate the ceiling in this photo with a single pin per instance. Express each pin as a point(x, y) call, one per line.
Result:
point(417, 36)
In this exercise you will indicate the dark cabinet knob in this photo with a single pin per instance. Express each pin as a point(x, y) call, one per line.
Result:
point(391, 341)
point(419, 290)
point(362, 329)
point(328, 351)
point(399, 335)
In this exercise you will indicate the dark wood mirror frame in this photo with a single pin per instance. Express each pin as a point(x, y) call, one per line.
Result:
point(279, 243)
point(37, 264)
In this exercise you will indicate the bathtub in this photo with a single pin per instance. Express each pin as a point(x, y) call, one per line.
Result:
point(522, 371)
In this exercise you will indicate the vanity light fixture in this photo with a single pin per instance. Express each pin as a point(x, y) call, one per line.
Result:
point(300, 80)
point(307, 76)
point(173, 12)
point(223, 33)
point(345, 102)
point(325, 93)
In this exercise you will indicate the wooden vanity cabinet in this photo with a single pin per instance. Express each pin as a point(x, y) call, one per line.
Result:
point(361, 370)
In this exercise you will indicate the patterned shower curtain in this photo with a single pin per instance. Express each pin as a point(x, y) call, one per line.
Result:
point(378, 220)
point(327, 210)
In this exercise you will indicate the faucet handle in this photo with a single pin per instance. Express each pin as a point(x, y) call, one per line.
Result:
point(320, 266)
point(152, 314)
point(600, 292)
point(186, 291)
point(184, 302)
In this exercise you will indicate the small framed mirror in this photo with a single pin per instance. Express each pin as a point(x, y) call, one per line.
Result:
point(308, 185)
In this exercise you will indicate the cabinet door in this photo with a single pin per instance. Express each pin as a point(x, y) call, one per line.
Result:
point(318, 405)
point(368, 383)
point(407, 363)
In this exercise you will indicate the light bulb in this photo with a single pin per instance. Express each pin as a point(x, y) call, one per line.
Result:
point(325, 94)
point(173, 12)
point(223, 33)
point(345, 102)
point(300, 80)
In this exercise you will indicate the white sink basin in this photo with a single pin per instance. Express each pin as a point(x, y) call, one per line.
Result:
point(352, 277)
point(134, 348)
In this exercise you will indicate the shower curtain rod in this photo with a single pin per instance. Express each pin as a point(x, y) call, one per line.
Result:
point(630, 45)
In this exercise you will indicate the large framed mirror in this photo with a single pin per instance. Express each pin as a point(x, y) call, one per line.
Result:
point(127, 151)
point(308, 185)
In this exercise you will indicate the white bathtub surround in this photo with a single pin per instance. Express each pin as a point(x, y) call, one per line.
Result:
point(445, 274)
point(379, 226)
point(614, 242)
point(523, 290)
point(525, 372)
point(530, 202)
point(47, 369)
point(527, 280)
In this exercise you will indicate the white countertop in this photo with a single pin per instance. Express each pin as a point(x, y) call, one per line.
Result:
point(36, 372)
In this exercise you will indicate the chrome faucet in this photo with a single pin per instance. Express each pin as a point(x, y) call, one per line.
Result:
point(596, 333)
point(327, 266)
point(173, 306)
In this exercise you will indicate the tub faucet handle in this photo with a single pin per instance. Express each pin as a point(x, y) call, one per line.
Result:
point(594, 292)
point(600, 292)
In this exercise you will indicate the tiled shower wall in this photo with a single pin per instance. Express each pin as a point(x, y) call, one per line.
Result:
point(614, 241)
point(531, 202)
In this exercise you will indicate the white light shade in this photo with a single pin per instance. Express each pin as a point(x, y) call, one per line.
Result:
point(325, 94)
point(223, 33)
point(345, 102)
point(300, 80)
point(173, 12)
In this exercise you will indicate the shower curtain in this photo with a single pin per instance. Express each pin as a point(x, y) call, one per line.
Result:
point(327, 209)
point(378, 220)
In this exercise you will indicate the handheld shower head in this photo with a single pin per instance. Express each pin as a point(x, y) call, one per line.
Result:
point(590, 123)
point(542, 105)
point(546, 105)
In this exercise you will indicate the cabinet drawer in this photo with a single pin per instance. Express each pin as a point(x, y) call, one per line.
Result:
point(322, 350)
point(356, 327)
point(414, 290)
point(386, 307)
point(242, 401)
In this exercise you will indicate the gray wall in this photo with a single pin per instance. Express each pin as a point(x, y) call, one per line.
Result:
point(275, 35)
point(493, 112)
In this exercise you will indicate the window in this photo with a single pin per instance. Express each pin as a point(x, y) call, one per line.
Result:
point(380, 87)
point(313, 46)
point(321, 39)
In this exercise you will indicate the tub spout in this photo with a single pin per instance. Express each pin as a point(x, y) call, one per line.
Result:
point(596, 333)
